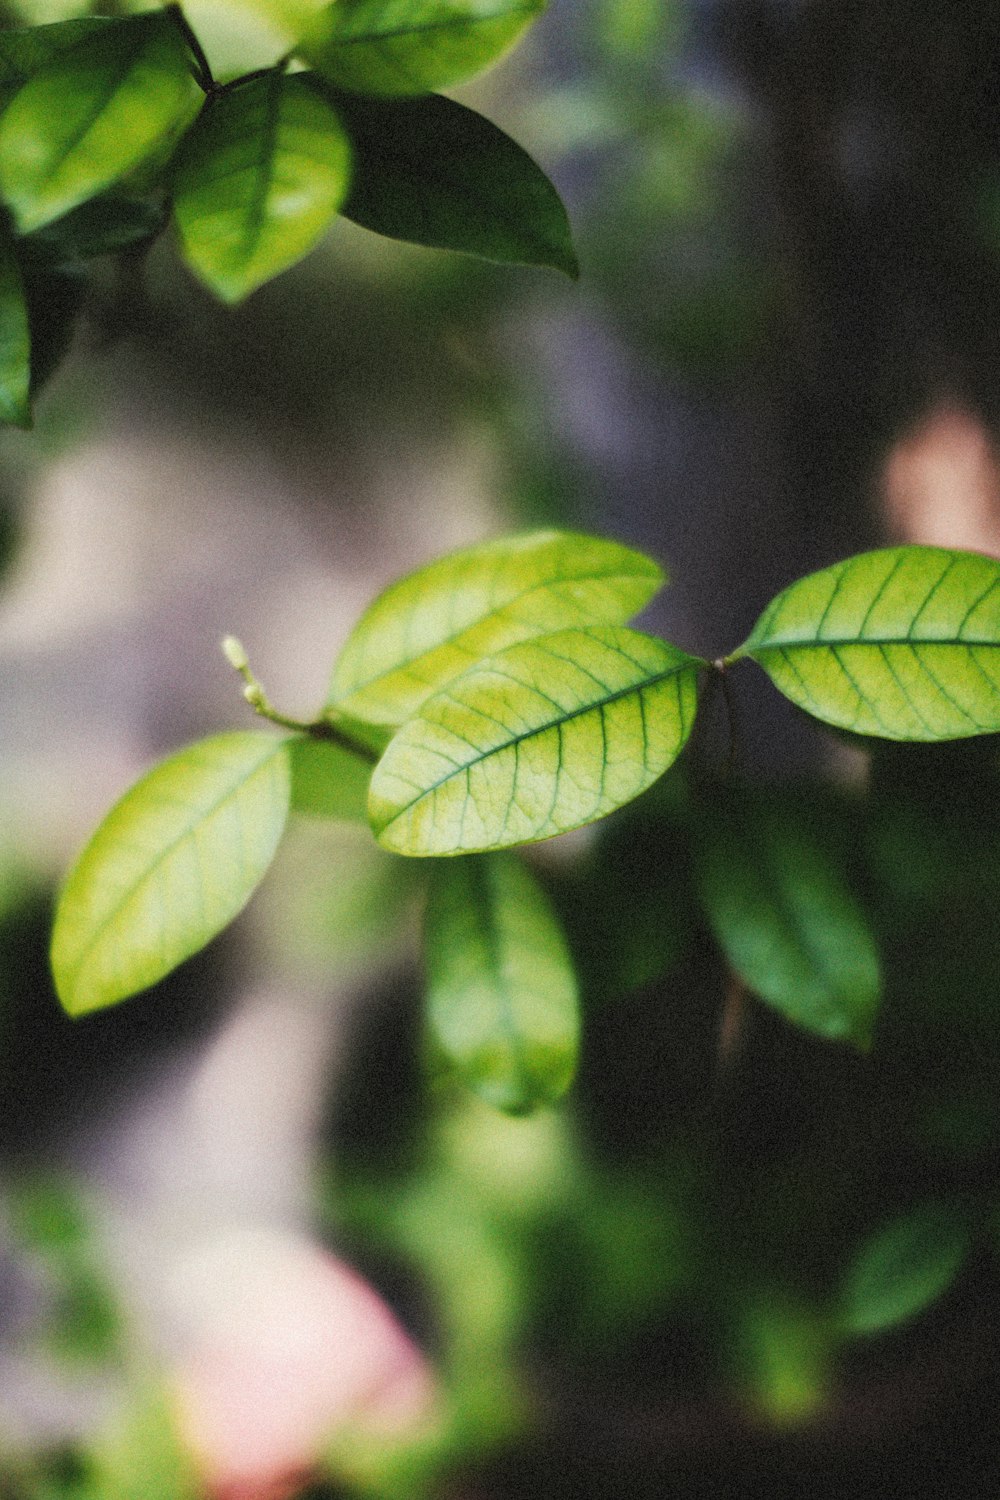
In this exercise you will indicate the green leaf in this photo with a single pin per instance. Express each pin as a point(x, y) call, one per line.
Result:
point(15, 341)
point(26, 49)
point(904, 1267)
point(93, 112)
point(260, 177)
point(903, 643)
point(435, 173)
point(436, 623)
point(171, 865)
point(786, 918)
point(328, 781)
point(54, 299)
point(501, 994)
point(548, 735)
point(412, 46)
point(105, 225)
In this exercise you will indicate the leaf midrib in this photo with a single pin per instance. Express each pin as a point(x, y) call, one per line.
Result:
point(466, 23)
point(165, 853)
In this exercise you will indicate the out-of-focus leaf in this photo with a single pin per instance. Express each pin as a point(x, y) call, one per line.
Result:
point(787, 919)
point(105, 225)
point(412, 46)
point(435, 173)
point(171, 865)
point(501, 993)
point(903, 643)
point(260, 177)
point(905, 1266)
point(15, 340)
point(26, 49)
point(548, 735)
point(436, 623)
point(91, 113)
point(54, 299)
point(328, 781)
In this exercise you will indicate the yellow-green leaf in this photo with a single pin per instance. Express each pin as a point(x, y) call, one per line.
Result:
point(171, 865)
point(502, 1004)
point(436, 623)
point(91, 114)
point(903, 643)
point(412, 46)
point(260, 177)
point(550, 734)
point(15, 341)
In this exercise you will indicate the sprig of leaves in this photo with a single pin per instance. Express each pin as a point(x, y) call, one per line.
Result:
point(497, 697)
point(123, 117)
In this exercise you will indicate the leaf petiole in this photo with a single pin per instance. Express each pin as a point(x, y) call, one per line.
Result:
point(319, 729)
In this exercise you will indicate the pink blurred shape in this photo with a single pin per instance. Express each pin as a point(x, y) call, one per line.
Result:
point(278, 1345)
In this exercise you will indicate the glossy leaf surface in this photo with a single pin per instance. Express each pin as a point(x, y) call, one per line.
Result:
point(91, 114)
point(550, 734)
point(412, 46)
point(435, 173)
point(904, 1267)
point(171, 865)
point(501, 993)
point(786, 917)
point(903, 643)
point(436, 623)
point(26, 49)
point(15, 341)
point(328, 781)
point(261, 176)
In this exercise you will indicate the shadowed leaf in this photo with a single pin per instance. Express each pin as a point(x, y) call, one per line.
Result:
point(412, 46)
point(171, 865)
point(260, 177)
point(501, 993)
point(902, 643)
point(15, 341)
point(548, 735)
point(328, 781)
point(436, 623)
point(435, 173)
point(904, 1267)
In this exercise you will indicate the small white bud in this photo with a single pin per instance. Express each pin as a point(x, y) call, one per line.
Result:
point(235, 654)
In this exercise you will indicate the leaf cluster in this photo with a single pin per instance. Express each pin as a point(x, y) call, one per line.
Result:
point(498, 697)
point(111, 131)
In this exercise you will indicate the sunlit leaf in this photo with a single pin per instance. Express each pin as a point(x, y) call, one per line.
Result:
point(412, 46)
point(435, 173)
point(170, 866)
point(903, 643)
point(328, 781)
point(904, 1267)
point(91, 114)
point(552, 733)
point(501, 993)
point(437, 622)
point(15, 341)
point(260, 177)
point(786, 917)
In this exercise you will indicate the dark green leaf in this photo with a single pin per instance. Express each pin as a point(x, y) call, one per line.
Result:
point(903, 643)
point(105, 225)
point(260, 177)
point(435, 173)
point(412, 46)
point(904, 1267)
point(92, 113)
point(437, 622)
point(15, 342)
point(171, 865)
point(24, 50)
point(54, 298)
point(548, 735)
point(501, 994)
point(328, 781)
point(786, 918)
